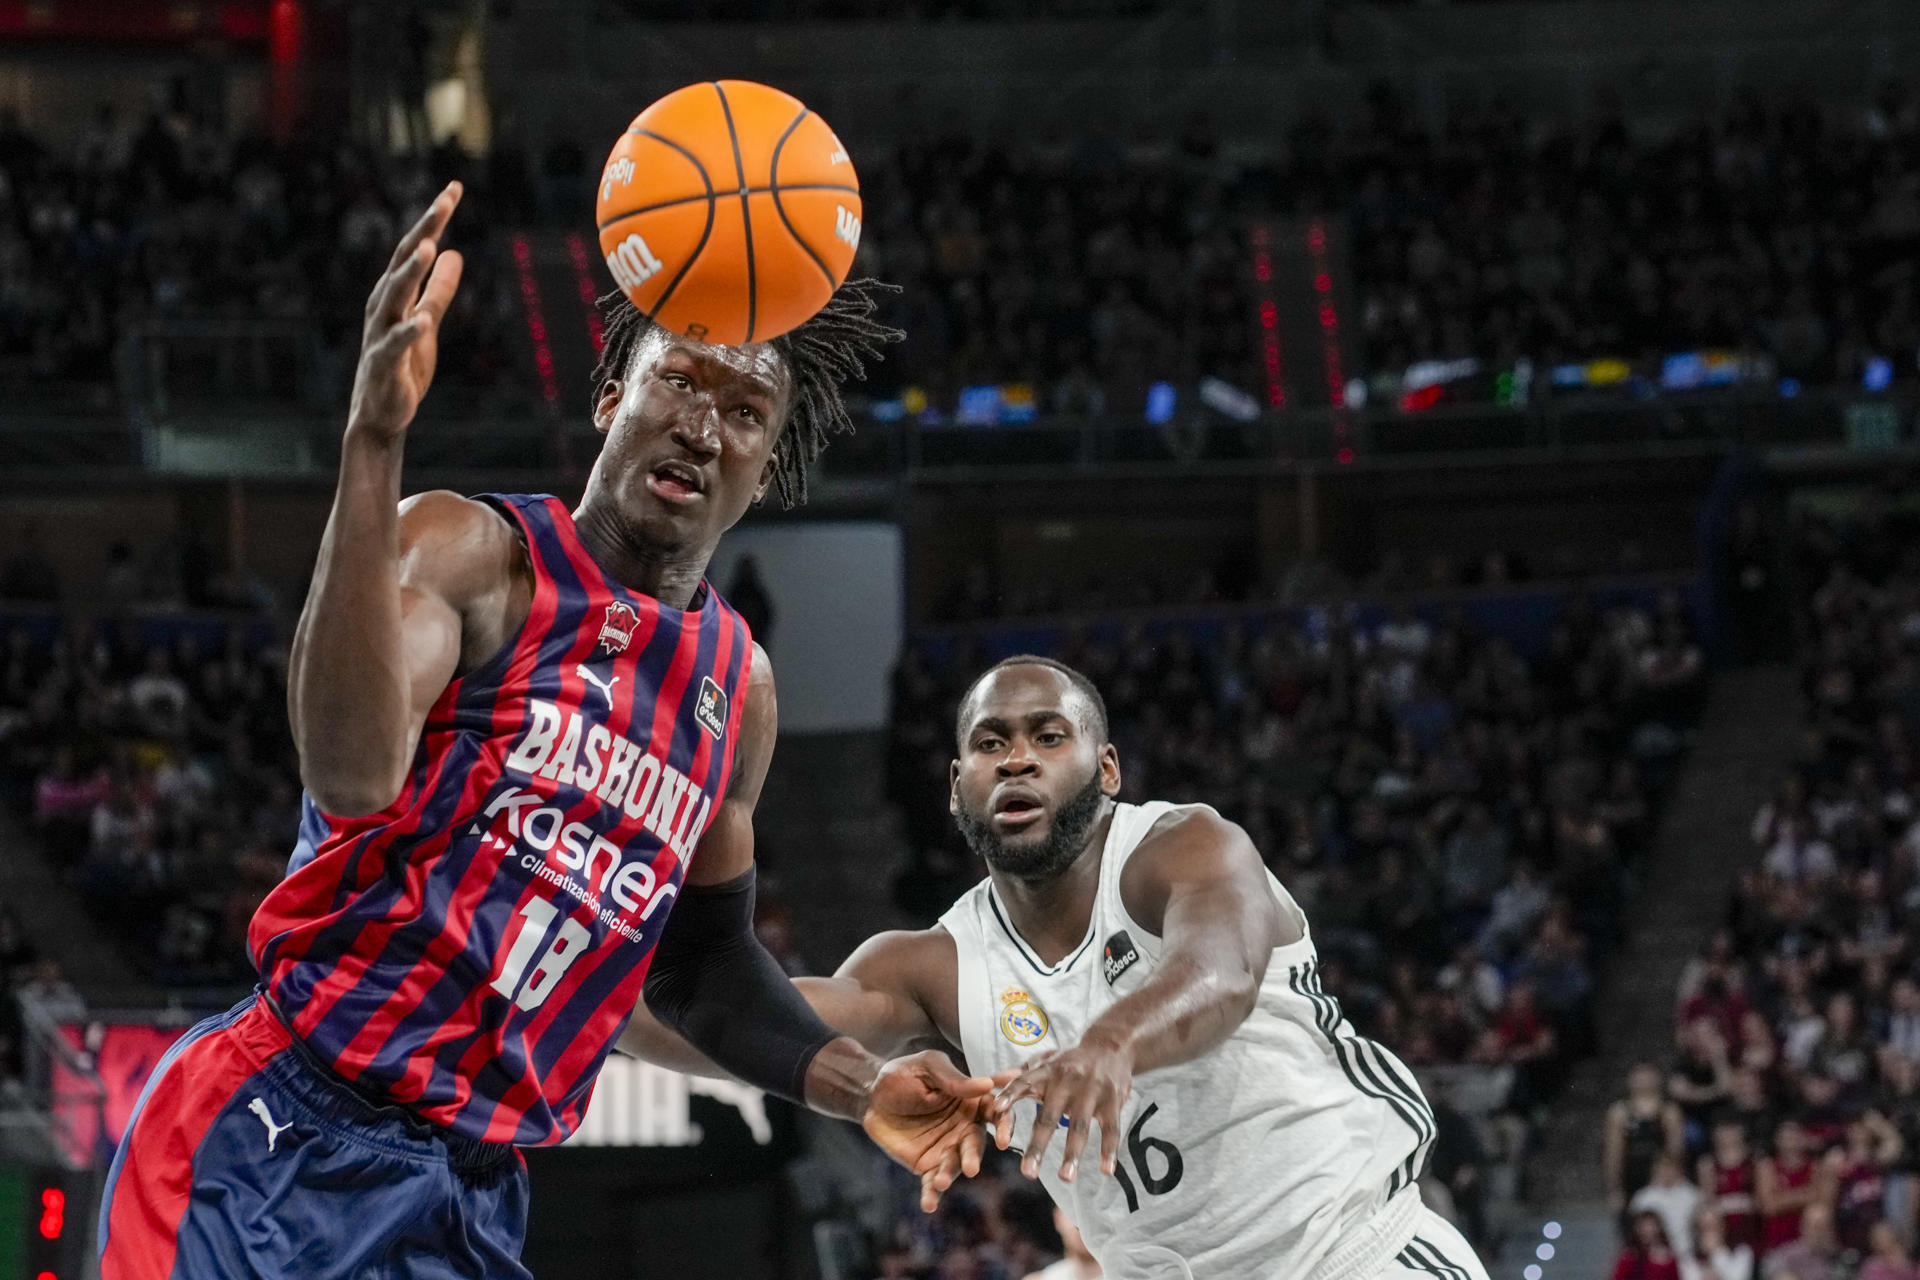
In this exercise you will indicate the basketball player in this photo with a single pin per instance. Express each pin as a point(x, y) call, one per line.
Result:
point(529, 738)
point(1145, 990)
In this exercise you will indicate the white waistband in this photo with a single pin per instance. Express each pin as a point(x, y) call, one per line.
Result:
point(1370, 1245)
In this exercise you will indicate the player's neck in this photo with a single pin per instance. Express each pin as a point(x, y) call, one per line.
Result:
point(1052, 915)
point(670, 575)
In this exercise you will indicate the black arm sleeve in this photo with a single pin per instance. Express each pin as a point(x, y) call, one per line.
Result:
point(714, 983)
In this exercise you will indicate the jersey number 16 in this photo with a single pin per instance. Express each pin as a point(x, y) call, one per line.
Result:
point(1139, 1147)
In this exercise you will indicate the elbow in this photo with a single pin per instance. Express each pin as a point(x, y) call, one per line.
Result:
point(1245, 994)
point(349, 793)
point(1235, 993)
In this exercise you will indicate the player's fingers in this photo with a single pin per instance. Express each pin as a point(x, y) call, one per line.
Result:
point(1003, 1130)
point(1110, 1141)
point(1080, 1127)
point(438, 295)
point(399, 287)
point(1031, 1083)
point(1044, 1125)
point(929, 1197)
point(940, 1072)
point(388, 348)
point(973, 1144)
point(431, 222)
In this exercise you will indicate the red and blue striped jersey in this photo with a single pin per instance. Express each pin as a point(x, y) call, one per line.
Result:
point(473, 950)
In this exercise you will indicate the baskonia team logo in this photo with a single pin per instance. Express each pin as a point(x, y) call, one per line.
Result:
point(1022, 1020)
point(617, 631)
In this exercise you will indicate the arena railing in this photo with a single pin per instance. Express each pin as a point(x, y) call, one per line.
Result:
point(467, 431)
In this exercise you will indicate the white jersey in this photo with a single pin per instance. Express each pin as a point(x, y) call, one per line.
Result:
point(1288, 1151)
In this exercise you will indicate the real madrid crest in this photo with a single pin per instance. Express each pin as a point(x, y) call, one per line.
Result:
point(1022, 1020)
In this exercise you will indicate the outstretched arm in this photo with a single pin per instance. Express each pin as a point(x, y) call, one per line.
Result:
point(1199, 883)
point(382, 631)
point(874, 998)
point(713, 983)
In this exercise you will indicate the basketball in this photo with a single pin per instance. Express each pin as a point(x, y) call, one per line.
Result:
point(728, 212)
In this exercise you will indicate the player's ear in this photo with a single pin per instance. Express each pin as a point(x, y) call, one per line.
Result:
point(766, 476)
point(607, 403)
point(953, 788)
point(1109, 770)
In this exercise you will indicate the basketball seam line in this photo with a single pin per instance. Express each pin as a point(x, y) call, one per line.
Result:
point(773, 180)
point(746, 216)
point(752, 191)
point(660, 303)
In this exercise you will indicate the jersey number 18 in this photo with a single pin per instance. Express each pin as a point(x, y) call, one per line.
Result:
point(566, 947)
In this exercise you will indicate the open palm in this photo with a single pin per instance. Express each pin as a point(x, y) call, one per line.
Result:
point(400, 341)
point(929, 1117)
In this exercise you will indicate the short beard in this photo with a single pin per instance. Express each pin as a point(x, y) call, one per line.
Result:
point(1066, 837)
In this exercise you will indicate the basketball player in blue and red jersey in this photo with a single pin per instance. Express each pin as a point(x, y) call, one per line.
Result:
point(532, 741)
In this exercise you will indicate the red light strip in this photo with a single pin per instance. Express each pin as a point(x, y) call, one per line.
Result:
point(583, 280)
point(53, 1213)
point(1270, 359)
point(1329, 337)
point(536, 319)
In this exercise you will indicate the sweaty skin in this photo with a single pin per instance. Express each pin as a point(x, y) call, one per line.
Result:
point(1195, 881)
point(406, 596)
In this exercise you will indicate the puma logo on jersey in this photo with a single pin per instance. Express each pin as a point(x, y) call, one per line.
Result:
point(1121, 955)
point(606, 689)
point(259, 1108)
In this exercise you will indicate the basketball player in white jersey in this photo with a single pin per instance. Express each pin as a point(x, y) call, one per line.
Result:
point(1142, 987)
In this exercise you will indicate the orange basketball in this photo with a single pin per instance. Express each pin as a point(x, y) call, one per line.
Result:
point(728, 212)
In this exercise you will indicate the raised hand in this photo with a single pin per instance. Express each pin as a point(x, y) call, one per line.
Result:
point(1088, 1082)
point(930, 1118)
point(400, 341)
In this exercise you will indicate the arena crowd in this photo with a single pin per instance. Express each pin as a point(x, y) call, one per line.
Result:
point(1783, 1137)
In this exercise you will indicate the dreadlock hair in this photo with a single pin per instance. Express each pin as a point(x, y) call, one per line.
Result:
point(836, 344)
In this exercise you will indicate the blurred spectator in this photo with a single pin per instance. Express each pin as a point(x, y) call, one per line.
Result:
point(49, 991)
point(1647, 1255)
point(1726, 1176)
point(1673, 1198)
point(1642, 1128)
point(1712, 1256)
point(1888, 1257)
point(1861, 1167)
point(1789, 1182)
point(1813, 1254)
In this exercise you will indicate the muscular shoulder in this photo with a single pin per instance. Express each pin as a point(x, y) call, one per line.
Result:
point(457, 546)
point(1191, 847)
point(919, 966)
point(469, 555)
point(913, 952)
